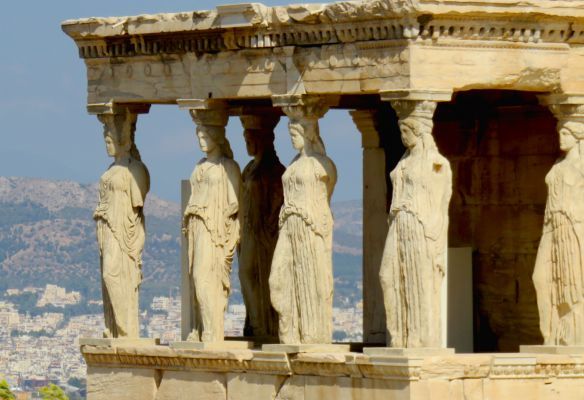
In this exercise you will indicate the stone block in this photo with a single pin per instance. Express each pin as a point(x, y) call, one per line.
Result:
point(270, 363)
point(561, 389)
point(104, 383)
point(225, 345)
point(531, 172)
point(325, 364)
point(407, 352)
point(378, 389)
point(182, 385)
point(253, 386)
point(552, 349)
point(132, 342)
point(306, 348)
point(463, 366)
point(319, 387)
point(292, 388)
point(433, 389)
point(344, 388)
point(514, 389)
point(473, 389)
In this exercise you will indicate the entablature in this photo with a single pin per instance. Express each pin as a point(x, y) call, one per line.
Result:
point(357, 47)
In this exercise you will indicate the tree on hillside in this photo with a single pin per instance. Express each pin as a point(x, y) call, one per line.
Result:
point(5, 393)
point(52, 392)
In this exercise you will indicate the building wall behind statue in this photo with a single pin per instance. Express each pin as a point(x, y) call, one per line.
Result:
point(501, 144)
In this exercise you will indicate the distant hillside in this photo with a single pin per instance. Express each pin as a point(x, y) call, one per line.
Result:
point(47, 235)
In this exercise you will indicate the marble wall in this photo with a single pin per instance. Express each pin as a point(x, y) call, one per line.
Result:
point(501, 144)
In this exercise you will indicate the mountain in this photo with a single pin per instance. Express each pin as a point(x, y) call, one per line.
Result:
point(47, 235)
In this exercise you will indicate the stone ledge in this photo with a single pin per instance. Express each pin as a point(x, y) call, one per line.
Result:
point(348, 364)
point(258, 16)
point(552, 349)
point(160, 372)
point(219, 346)
point(407, 352)
point(118, 342)
point(306, 348)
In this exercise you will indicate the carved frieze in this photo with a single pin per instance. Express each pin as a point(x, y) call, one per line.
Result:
point(432, 31)
point(355, 365)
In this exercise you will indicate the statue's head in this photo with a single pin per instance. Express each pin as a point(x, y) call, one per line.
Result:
point(303, 125)
point(210, 137)
point(118, 133)
point(303, 131)
point(211, 131)
point(571, 132)
point(258, 132)
point(413, 130)
point(415, 122)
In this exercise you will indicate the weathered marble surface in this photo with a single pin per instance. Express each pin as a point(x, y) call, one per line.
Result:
point(559, 267)
point(259, 16)
point(211, 225)
point(162, 373)
point(301, 280)
point(253, 51)
point(261, 199)
point(120, 226)
point(414, 259)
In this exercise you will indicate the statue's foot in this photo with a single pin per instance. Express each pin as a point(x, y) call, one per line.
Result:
point(107, 334)
point(193, 336)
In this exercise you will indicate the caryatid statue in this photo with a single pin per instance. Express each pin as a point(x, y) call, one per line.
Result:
point(120, 226)
point(559, 266)
point(413, 263)
point(301, 280)
point(261, 200)
point(211, 226)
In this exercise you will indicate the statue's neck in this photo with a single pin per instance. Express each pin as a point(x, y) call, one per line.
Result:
point(573, 154)
point(122, 158)
point(214, 155)
point(266, 154)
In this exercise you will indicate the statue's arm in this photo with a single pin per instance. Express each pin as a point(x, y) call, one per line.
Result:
point(331, 171)
point(233, 188)
point(139, 185)
point(440, 192)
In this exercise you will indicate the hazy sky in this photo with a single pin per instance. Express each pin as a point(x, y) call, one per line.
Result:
point(47, 133)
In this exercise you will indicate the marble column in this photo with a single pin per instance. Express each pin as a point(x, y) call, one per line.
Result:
point(559, 268)
point(120, 220)
point(375, 224)
point(301, 279)
point(210, 224)
point(414, 264)
point(261, 200)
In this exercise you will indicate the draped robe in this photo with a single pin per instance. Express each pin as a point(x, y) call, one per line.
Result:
point(121, 236)
point(212, 231)
point(559, 268)
point(261, 200)
point(301, 280)
point(413, 263)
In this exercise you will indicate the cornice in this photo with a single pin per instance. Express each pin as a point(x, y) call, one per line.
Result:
point(471, 32)
point(356, 365)
point(258, 15)
point(254, 26)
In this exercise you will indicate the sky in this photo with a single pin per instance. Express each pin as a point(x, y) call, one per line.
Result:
point(47, 132)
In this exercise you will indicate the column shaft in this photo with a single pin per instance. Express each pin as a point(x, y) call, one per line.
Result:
point(374, 225)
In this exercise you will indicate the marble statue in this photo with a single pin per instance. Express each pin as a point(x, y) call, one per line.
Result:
point(211, 226)
point(413, 263)
point(559, 267)
point(261, 200)
point(301, 280)
point(120, 226)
